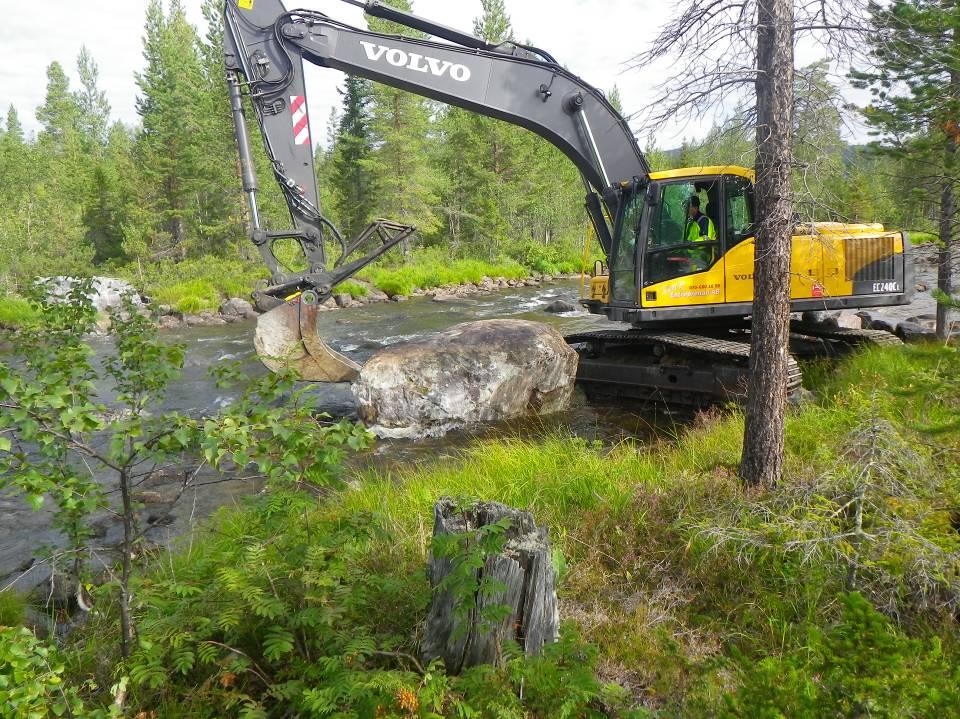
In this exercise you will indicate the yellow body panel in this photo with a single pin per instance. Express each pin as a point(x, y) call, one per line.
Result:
point(819, 269)
point(825, 258)
point(702, 171)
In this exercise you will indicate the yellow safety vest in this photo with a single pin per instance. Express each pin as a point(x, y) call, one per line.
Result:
point(695, 229)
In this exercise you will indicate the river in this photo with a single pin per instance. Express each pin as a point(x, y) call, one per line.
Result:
point(356, 332)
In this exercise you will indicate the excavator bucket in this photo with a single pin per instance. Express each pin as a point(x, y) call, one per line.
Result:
point(286, 338)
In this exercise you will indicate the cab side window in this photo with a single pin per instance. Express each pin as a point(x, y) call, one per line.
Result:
point(739, 210)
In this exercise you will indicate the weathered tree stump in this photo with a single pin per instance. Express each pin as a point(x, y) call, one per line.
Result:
point(456, 629)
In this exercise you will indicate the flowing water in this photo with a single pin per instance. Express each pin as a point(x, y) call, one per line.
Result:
point(356, 332)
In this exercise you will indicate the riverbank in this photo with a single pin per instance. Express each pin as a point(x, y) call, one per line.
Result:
point(359, 293)
point(198, 303)
point(683, 592)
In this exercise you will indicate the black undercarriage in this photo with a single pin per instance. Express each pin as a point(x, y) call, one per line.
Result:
point(693, 369)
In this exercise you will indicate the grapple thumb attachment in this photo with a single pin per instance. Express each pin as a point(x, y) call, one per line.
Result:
point(286, 338)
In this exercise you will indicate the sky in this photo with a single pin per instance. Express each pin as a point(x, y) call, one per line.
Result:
point(594, 40)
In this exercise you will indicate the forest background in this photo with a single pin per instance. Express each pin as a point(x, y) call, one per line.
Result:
point(160, 203)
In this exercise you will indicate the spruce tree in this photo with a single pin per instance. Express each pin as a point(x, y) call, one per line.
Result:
point(481, 156)
point(403, 180)
point(173, 146)
point(14, 128)
point(350, 159)
point(915, 84)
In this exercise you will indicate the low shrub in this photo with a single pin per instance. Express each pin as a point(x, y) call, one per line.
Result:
point(32, 681)
point(13, 607)
point(431, 267)
point(555, 258)
point(196, 285)
point(921, 238)
point(859, 666)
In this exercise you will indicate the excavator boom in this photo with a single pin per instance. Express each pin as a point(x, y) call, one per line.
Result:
point(264, 49)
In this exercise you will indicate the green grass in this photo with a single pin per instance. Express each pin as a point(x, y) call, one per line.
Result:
point(15, 312)
point(431, 267)
point(13, 607)
point(921, 238)
point(669, 609)
point(685, 581)
point(196, 285)
point(354, 289)
point(202, 284)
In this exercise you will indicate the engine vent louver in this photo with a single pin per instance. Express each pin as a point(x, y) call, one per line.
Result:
point(869, 258)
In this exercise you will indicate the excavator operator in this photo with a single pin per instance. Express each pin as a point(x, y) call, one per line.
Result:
point(700, 228)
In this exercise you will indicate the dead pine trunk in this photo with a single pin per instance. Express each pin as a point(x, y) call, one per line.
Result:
point(762, 459)
point(517, 583)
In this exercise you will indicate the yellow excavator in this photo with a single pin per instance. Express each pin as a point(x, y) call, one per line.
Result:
point(679, 245)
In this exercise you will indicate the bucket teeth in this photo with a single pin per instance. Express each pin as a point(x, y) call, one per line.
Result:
point(286, 338)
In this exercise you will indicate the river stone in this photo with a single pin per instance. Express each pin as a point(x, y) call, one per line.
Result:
point(237, 307)
point(473, 372)
point(915, 332)
point(107, 291)
point(558, 306)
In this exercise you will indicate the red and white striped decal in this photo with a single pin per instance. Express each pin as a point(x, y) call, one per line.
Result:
point(301, 126)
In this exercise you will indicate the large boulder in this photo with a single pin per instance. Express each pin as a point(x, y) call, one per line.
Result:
point(473, 372)
point(107, 291)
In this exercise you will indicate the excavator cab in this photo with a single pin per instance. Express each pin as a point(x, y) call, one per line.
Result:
point(664, 273)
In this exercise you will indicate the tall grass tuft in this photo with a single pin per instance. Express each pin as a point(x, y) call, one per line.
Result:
point(15, 312)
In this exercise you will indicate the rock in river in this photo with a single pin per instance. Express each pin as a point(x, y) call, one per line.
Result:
point(558, 306)
point(473, 372)
point(105, 291)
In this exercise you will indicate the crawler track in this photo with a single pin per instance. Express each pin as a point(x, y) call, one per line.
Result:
point(673, 368)
point(846, 335)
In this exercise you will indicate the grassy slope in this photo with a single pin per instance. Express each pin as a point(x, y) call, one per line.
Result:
point(661, 601)
point(697, 593)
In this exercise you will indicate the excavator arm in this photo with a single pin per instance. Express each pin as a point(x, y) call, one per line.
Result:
point(265, 46)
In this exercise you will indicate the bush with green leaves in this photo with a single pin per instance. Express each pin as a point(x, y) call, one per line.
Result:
point(60, 439)
point(861, 666)
point(33, 683)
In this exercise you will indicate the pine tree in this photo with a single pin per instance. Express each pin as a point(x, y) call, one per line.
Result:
point(92, 106)
point(915, 85)
point(59, 113)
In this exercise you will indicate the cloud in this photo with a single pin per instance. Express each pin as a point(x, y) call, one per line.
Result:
point(581, 37)
point(593, 40)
